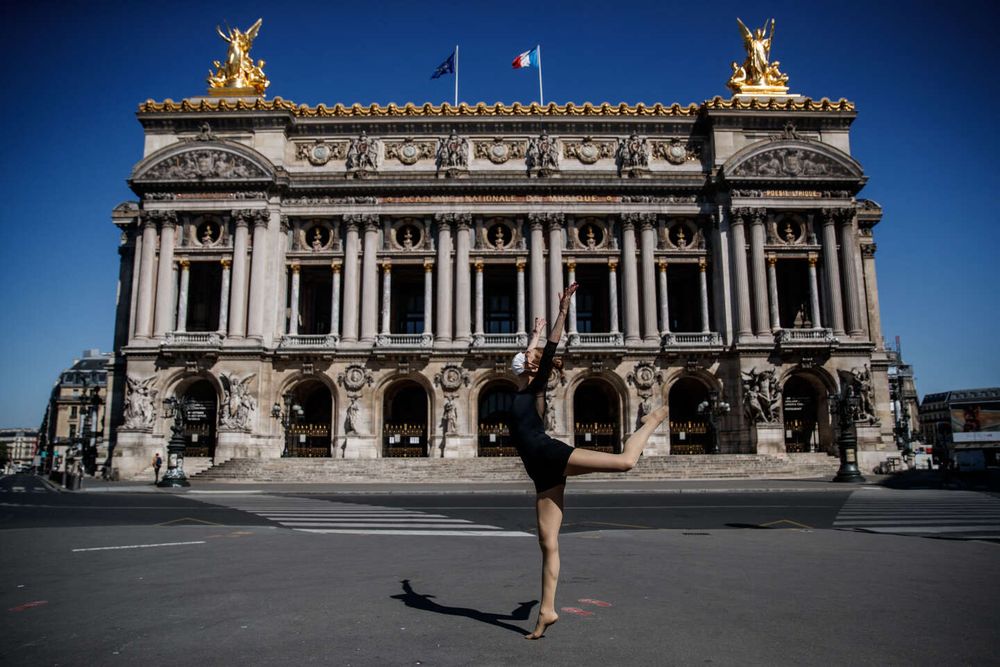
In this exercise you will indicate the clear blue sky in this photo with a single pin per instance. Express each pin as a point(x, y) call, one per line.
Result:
point(923, 76)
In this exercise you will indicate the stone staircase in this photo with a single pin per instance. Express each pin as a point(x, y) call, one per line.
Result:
point(421, 470)
point(193, 465)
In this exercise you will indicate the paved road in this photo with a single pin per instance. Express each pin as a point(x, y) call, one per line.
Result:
point(220, 578)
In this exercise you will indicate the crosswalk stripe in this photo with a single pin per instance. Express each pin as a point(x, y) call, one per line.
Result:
point(312, 515)
point(965, 514)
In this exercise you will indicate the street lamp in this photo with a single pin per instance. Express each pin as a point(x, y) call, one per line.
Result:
point(175, 408)
point(712, 409)
point(290, 415)
point(846, 408)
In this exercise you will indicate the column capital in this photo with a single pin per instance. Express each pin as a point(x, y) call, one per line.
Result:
point(552, 220)
point(185, 264)
point(295, 268)
point(571, 264)
point(840, 215)
point(460, 220)
point(868, 250)
point(479, 265)
point(258, 216)
point(285, 224)
point(662, 263)
point(772, 259)
point(367, 220)
point(812, 259)
point(612, 265)
point(161, 218)
point(644, 219)
point(335, 267)
point(520, 265)
point(428, 266)
point(741, 214)
point(702, 264)
point(387, 267)
point(226, 263)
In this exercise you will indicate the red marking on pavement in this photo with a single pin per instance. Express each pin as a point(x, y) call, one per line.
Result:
point(577, 611)
point(596, 603)
point(28, 605)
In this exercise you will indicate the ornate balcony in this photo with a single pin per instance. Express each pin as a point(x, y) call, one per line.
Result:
point(193, 338)
point(407, 341)
point(300, 341)
point(692, 339)
point(611, 339)
point(809, 335)
point(500, 340)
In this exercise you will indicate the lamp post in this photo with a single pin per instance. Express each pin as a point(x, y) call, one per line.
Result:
point(712, 409)
point(290, 415)
point(175, 408)
point(846, 408)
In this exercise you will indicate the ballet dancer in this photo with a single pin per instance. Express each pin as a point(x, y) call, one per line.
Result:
point(548, 461)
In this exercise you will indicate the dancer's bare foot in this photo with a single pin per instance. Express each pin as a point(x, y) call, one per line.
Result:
point(545, 619)
point(657, 415)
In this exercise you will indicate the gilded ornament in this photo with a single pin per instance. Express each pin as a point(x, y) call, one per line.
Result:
point(238, 76)
point(757, 75)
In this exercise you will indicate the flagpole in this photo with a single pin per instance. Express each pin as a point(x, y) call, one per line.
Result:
point(541, 98)
point(456, 75)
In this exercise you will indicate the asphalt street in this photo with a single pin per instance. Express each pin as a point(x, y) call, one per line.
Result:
point(284, 578)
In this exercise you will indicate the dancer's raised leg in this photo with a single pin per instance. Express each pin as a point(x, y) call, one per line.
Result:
point(549, 512)
point(583, 461)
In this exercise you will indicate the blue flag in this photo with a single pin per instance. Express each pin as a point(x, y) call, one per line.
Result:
point(447, 67)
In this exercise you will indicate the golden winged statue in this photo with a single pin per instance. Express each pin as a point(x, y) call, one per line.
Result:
point(238, 75)
point(757, 75)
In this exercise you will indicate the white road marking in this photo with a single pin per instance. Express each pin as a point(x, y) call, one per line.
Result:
point(923, 512)
point(141, 546)
point(457, 533)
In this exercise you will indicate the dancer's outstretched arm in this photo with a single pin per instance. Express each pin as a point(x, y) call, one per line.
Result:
point(555, 335)
point(536, 333)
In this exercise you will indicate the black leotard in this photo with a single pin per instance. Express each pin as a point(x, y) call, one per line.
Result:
point(544, 457)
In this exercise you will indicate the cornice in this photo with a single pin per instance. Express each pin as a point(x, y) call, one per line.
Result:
point(410, 110)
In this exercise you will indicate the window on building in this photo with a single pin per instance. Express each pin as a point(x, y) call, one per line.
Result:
point(72, 412)
point(684, 297)
point(72, 431)
point(593, 311)
point(315, 285)
point(794, 311)
point(204, 296)
point(500, 299)
point(407, 307)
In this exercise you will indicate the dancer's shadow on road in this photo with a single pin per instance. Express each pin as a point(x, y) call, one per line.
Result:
point(423, 602)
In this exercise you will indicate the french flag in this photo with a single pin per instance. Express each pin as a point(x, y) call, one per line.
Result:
point(526, 59)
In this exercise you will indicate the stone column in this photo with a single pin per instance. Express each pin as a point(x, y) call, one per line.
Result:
point(259, 277)
point(144, 309)
point(335, 300)
point(759, 274)
point(238, 294)
point(164, 317)
point(462, 279)
point(479, 333)
point(571, 331)
point(703, 285)
point(832, 270)
point(814, 294)
point(848, 249)
point(647, 250)
point(369, 281)
point(444, 283)
point(386, 295)
point(537, 266)
point(428, 297)
point(224, 297)
point(555, 221)
point(739, 252)
point(630, 284)
point(871, 284)
point(613, 294)
point(772, 290)
point(520, 298)
point(664, 301)
point(182, 296)
point(351, 284)
point(293, 317)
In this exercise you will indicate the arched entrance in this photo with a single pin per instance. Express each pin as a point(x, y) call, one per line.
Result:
point(688, 429)
point(404, 422)
point(200, 418)
point(309, 406)
point(806, 414)
point(494, 408)
point(597, 417)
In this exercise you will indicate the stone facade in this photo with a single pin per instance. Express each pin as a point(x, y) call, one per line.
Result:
point(353, 281)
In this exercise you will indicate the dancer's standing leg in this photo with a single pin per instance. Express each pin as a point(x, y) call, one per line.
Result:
point(549, 512)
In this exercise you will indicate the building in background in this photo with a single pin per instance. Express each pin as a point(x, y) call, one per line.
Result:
point(963, 423)
point(903, 394)
point(348, 281)
point(74, 418)
point(20, 442)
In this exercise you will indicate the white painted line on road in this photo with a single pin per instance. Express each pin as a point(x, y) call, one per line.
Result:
point(930, 529)
point(418, 524)
point(227, 492)
point(473, 533)
point(141, 546)
point(915, 521)
point(377, 520)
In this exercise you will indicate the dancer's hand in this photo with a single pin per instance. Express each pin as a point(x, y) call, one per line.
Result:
point(566, 296)
point(539, 325)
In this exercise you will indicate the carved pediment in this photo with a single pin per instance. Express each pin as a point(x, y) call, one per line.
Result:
point(203, 162)
point(792, 159)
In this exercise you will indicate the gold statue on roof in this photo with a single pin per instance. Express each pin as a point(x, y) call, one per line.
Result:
point(238, 76)
point(757, 75)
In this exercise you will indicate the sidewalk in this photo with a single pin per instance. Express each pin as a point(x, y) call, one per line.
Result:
point(575, 486)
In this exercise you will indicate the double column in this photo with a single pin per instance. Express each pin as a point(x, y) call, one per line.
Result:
point(443, 328)
point(386, 296)
point(537, 265)
point(739, 254)
point(293, 315)
point(630, 282)
point(164, 312)
point(850, 255)
point(758, 272)
point(182, 295)
point(144, 306)
point(463, 314)
point(351, 277)
point(832, 270)
point(369, 280)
